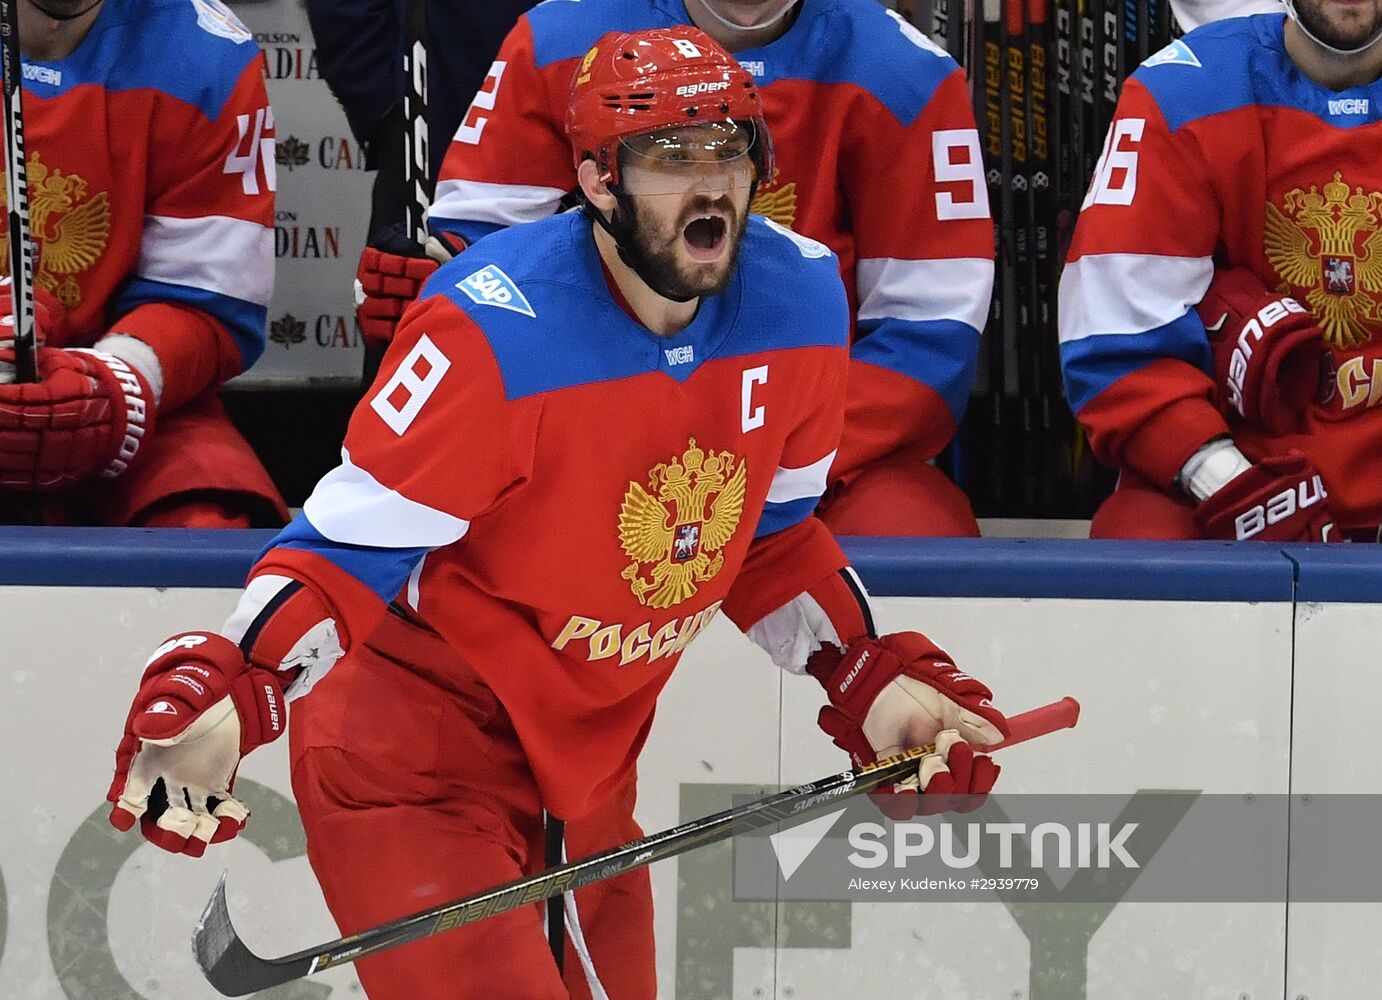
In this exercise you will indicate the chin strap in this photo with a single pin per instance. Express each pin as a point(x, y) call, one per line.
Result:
point(54, 15)
point(1376, 36)
point(619, 231)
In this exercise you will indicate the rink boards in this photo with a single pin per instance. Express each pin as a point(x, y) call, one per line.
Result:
point(1199, 666)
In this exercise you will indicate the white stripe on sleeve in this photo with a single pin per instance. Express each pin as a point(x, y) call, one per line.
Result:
point(352, 507)
point(920, 290)
point(1122, 293)
point(797, 484)
point(497, 204)
point(213, 253)
point(257, 595)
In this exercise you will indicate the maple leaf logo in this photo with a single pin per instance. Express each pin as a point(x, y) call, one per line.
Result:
point(288, 330)
point(291, 152)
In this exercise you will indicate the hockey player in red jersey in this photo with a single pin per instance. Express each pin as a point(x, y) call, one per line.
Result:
point(878, 158)
point(1222, 301)
point(150, 165)
point(590, 436)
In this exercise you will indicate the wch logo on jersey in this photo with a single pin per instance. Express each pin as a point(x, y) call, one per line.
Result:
point(490, 286)
point(1349, 106)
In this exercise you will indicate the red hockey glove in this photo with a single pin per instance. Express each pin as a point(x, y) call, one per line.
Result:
point(89, 414)
point(1268, 350)
point(390, 276)
point(199, 710)
point(1277, 500)
point(900, 691)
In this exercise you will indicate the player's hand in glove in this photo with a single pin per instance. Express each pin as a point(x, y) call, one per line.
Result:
point(1268, 350)
point(1280, 499)
point(89, 414)
point(392, 272)
point(199, 710)
point(900, 691)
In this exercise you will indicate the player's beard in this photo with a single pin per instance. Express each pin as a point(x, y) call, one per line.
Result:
point(1339, 26)
point(655, 254)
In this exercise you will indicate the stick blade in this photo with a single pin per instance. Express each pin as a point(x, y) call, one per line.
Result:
point(228, 965)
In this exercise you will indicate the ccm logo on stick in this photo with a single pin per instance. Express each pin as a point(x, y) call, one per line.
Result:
point(1253, 521)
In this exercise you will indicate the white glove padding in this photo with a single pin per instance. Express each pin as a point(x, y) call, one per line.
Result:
point(200, 708)
point(181, 785)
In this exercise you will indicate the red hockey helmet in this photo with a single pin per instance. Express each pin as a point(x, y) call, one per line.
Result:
point(634, 83)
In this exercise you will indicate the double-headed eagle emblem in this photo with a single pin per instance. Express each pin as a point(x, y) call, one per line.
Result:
point(1327, 248)
point(70, 229)
point(680, 524)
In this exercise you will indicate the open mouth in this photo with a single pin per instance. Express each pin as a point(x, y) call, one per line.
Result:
point(705, 237)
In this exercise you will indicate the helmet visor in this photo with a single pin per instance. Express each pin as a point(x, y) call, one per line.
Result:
point(709, 156)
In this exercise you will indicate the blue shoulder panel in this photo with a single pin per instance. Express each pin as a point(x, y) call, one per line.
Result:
point(193, 50)
point(1242, 61)
point(832, 42)
point(857, 42)
point(538, 293)
point(566, 29)
point(1205, 73)
point(793, 293)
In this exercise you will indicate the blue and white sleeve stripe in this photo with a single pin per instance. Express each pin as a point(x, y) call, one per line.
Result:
point(793, 496)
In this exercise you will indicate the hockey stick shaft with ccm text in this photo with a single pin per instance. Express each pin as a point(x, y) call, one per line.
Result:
point(21, 262)
point(235, 971)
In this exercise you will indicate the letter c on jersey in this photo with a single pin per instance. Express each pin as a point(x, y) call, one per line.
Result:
point(752, 417)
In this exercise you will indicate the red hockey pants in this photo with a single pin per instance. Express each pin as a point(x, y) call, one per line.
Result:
point(414, 791)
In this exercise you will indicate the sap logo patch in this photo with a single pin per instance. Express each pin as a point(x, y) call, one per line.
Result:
point(1343, 106)
point(1175, 54)
point(215, 18)
point(808, 247)
point(490, 286)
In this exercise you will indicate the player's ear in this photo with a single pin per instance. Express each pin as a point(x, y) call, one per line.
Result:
point(596, 191)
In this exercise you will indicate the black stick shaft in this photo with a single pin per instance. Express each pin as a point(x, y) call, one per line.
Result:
point(417, 168)
point(236, 971)
point(21, 261)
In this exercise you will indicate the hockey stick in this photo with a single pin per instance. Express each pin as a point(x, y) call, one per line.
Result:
point(414, 153)
point(417, 165)
point(17, 198)
point(235, 971)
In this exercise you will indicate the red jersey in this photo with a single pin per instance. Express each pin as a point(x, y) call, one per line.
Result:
point(878, 158)
point(151, 177)
point(1223, 154)
point(569, 499)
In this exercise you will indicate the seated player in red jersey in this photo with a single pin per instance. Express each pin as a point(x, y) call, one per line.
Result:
point(878, 158)
point(150, 164)
point(591, 435)
point(1221, 304)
